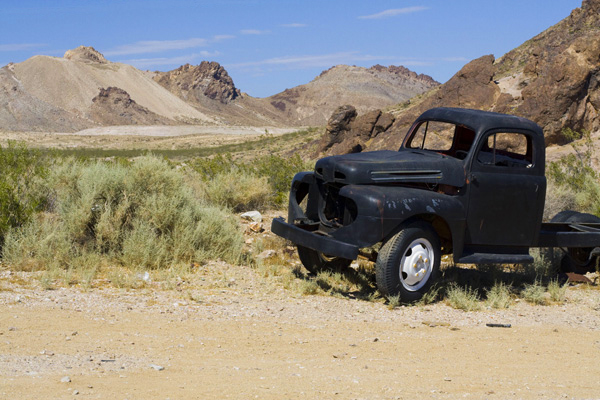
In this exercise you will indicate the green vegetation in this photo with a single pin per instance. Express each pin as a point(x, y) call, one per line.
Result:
point(266, 141)
point(573, 180)
point(22, 192)
point(73, 218)
point(141, 215)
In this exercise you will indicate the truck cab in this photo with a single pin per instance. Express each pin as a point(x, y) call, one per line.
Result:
point(467, 183)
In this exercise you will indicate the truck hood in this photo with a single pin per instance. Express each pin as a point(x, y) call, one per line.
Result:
point(384, 167)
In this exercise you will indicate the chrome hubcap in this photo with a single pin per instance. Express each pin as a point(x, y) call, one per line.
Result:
point(416, 264)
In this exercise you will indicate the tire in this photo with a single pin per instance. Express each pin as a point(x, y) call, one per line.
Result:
point(409, 263)
point(577, 258)
point(315, 261)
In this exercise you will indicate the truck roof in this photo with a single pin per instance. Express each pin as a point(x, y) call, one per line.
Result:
point(480, 121)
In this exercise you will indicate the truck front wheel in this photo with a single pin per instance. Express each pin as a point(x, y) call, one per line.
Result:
point(409, 262)
point(315, 261)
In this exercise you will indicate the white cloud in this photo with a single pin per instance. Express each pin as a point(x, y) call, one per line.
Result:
point(144, 63)
point(331, 59)
point(19, 46)
point(394, 12)
point(218, 38)
point(322, 60)
point(294, 25)
point(156, 46)
point(253, 32)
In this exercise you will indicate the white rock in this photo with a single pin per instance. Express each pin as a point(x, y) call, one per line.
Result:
point(65, 379)
point(252, 216)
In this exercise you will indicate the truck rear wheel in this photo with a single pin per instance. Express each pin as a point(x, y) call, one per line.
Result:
point(577, 258)
point(315, 261)
point(409, 262)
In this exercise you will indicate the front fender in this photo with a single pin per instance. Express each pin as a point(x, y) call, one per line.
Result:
point(388, 207)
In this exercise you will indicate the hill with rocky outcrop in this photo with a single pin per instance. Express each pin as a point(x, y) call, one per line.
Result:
point(83, 89)
point(552, 79)
point(365, 88)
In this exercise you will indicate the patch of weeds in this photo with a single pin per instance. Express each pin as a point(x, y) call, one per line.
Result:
point(534, 293)
point(309, 287)
point(394, 302)
point(557, 292)
point(463, 298)
point(431, 296)
point(47, 280)
point(498, 296)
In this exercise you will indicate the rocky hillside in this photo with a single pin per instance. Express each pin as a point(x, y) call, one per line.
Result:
point(114, 106)
point(83, 89)
point(196, 84)
point(552, 79)
point(366, 88)
point(209, 88)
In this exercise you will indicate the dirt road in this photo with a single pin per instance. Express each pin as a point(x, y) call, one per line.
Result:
point(241, 342)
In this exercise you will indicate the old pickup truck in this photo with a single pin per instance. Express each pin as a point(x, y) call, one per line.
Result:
point(466, 183)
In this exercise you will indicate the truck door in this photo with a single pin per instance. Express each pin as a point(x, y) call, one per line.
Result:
point(506, 190)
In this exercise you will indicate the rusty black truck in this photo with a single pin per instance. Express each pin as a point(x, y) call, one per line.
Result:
point(466, 183)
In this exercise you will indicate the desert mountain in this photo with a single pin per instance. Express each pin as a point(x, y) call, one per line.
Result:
point(57, 93)
point(209, 88)
point(552, 79)
point(367, 88)
point(83, 89)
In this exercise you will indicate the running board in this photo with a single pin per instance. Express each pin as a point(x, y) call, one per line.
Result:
point(491, 258)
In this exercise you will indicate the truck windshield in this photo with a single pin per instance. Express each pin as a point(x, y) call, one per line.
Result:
point(442, 137)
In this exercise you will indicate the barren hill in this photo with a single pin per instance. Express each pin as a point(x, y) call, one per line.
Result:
point(21, 111)
point(366, 88)
point(209, 88)
point(70, 83)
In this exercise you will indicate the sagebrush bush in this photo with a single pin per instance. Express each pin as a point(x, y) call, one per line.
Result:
point(573, 180)
point(240, 191)
point(273, 173)
point(22, 189)
point(138, 215)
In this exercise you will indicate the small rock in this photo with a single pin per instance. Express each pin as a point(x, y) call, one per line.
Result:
point(157, 367)
point(254, 216)
point(376, 340)
point(65, 379)
point(256, 227)
point(267, 254)
point(75, 392)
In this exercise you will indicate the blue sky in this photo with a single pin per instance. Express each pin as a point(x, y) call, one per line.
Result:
point(270, 45)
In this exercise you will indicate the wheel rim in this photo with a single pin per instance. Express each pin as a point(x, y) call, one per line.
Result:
point(416, 264)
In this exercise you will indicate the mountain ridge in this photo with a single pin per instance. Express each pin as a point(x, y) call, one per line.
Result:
point(83, 89)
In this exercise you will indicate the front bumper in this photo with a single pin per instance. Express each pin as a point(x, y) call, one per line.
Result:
point(318, 242)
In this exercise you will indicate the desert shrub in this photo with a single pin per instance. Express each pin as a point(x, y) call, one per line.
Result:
point(557, 292)
point(272, 173)
point(239, 191)
point(22, 188)
point(573, 177)
point(141, 215)
point(280, 173)
point(498, 296)
point(463, 298)
point(534, 293)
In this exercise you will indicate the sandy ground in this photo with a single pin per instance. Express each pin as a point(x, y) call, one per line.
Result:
point(249, 339)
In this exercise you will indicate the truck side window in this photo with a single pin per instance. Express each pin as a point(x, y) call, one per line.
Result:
point(512, 150)
point(442, 137)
